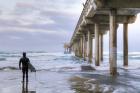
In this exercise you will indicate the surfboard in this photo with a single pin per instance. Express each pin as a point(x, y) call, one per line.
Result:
point(32, 68)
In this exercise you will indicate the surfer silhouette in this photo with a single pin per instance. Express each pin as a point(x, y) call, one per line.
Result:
point(24, 61)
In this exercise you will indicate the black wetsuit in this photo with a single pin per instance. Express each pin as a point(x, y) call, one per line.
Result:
point(25, 61)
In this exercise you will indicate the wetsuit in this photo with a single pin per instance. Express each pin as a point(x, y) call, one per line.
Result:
point(25, 61)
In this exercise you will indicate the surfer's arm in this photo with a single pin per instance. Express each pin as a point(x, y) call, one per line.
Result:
point(20, 64)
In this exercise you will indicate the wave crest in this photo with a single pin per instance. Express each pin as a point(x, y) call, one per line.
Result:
point(9, 68)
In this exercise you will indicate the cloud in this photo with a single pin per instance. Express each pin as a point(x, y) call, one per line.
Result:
point(44, 16)
point(30, 19)
point(35, 24)
point(35, 19)
point(32, 12)
point(33, 31)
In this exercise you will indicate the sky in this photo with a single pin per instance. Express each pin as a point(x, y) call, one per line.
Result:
point(45, 25)
point(133, 37)
point(37, 25)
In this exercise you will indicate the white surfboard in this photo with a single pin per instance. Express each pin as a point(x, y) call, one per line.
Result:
point(32, 68)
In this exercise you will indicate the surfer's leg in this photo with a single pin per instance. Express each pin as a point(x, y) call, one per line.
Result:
point(26, 75)
point(23, 72)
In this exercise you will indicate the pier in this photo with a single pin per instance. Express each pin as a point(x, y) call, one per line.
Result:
point(67, 48)
point(98, 17)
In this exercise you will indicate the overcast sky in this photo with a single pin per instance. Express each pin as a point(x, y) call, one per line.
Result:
point(37, 24)
point(46, 25)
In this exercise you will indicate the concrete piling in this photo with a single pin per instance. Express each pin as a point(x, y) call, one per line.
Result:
point(89, 47)
point(97, 45)
point(102, 17)
point(113, 42)
point(125, 44)
point(101, 47)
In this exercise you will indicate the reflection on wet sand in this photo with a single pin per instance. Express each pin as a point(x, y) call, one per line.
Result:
point(25, 88)
point(88, 85)
point(77, 84)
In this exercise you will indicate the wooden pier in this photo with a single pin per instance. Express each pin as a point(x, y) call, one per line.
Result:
point(98, 17)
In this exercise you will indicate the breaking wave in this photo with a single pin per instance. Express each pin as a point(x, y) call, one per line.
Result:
point(9, 68)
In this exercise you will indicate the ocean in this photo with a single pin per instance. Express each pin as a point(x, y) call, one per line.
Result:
point(61, 73)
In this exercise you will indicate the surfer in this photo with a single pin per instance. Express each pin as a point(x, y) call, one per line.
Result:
point(25, 64)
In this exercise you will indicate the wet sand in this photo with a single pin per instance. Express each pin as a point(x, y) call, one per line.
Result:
point(62, 74)
point(70, 82)
point(43, 82)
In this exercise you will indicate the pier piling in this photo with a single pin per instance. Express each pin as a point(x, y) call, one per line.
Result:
point(125, 44)
point(89, 47)
point(95, 20)
point(113, 42)
point(97, 45)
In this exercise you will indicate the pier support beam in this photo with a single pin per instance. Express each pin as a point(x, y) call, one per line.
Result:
point(101, 47)
point(84, 46)
point(113, 43)
point(81, 43)
point(125, 44)
point(76, 49)
point(97, 45)
point(80, 48)
point(89, 47)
